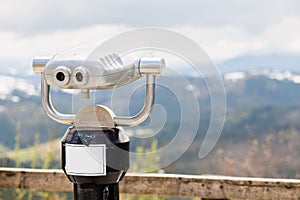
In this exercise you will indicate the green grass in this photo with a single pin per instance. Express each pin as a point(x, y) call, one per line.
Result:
point(29, 153)
point(3, 149)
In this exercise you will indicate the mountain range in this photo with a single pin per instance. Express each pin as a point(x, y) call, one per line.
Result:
point(275, 61)
point(259, 101)
point(20, 101)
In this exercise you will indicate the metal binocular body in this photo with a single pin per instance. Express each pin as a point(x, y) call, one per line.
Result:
point(95, 149)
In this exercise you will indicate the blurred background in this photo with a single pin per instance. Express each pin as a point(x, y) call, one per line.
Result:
point(255, 45)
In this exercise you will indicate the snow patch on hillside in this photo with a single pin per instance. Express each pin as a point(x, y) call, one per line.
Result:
point(271, 74)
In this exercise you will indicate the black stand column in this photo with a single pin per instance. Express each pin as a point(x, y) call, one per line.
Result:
point(98, 187)
point(96, 192)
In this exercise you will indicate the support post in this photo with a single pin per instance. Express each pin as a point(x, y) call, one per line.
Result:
point(96, 191)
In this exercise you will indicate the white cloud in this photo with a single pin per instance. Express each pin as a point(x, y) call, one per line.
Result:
point(19, 50)
point(221, 43)
point(224, 42)
point(284, 35)
point(225, 29)
point(32, 16)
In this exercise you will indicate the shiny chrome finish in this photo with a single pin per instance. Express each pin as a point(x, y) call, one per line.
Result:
point(48, 107)
point(107, 73)
point(118, 120)
point(146, 110)
point(94, 117)
point(62, 75)
point(110, 77)
point(95, 74)
point(81, 76)
point(85, 93)
point(39, 63)
point(154, 66)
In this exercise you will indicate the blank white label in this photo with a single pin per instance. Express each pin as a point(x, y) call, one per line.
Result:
point(86, 160)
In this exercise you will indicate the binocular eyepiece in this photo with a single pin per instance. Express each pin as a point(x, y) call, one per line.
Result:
point(106, 73)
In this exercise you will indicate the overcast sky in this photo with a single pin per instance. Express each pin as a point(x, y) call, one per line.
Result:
point(225, 29)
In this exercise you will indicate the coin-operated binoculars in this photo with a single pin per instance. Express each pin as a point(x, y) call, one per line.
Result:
point(95, 148)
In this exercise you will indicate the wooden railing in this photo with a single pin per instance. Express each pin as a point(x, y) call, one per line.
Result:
point(204, 186)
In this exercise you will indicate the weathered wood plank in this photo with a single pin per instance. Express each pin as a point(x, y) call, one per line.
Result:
point(205, 186)
point(218, 187)
point(36, 179)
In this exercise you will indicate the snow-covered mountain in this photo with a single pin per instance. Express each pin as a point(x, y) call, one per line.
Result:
point(12, 86)
point(279, 75)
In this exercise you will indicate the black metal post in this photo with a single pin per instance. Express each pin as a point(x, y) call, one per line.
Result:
point(96, 192)
point(103, 187)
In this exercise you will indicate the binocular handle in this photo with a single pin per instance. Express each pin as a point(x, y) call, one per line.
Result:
point(118, 120)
